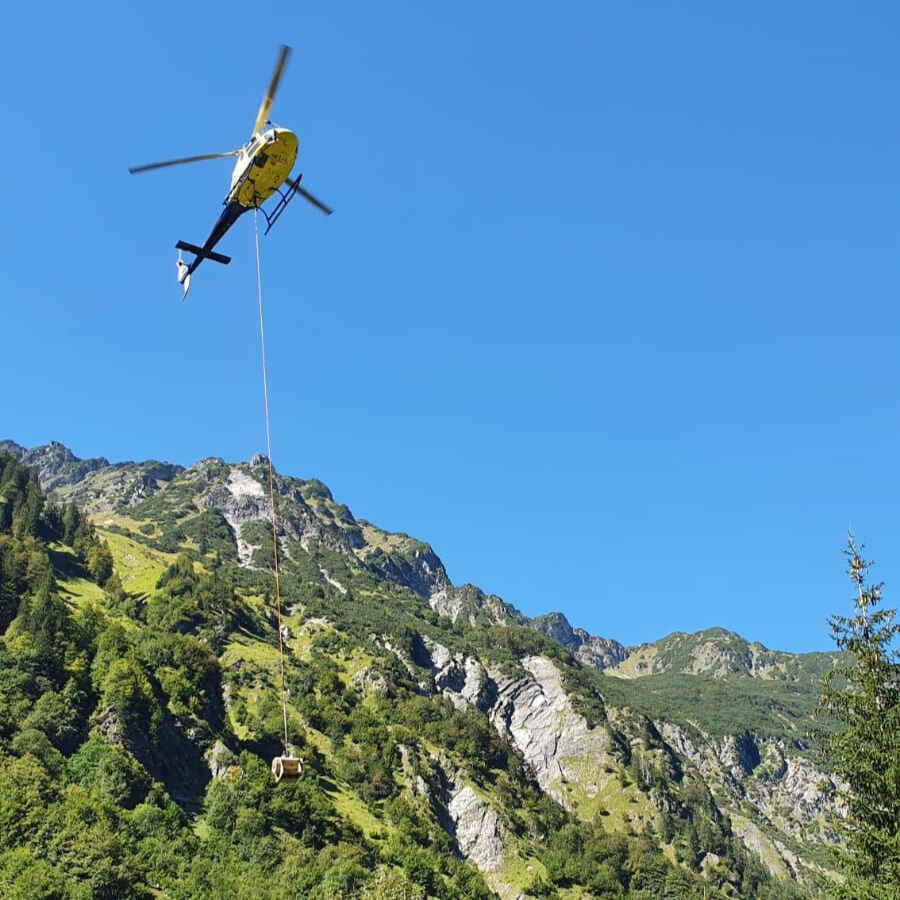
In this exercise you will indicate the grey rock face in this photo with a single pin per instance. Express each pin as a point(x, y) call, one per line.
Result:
point(739, 755)
point(535, 714)
point(468, 600)
point(57, 466)
point(369, 679)
point(447, 603)
point(597, 652)
point(788, 791)
point(421, 572)
point(476, 828)
point(95, 484)
point(712, 658)
point(241, 499)
point(219, 759)
point(11, 447)
point(461, 678)
point(474, 825)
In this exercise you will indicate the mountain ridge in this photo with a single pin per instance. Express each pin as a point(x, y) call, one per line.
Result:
point(699, 747)
point(61, 472)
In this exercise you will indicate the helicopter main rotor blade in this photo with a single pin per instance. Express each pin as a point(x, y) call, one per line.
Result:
point(264, 107)
point(134, 170)
point(314, 200)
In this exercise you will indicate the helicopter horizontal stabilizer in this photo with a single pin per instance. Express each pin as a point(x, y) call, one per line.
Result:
point(198, 251)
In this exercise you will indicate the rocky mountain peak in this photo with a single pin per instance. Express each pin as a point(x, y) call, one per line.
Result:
point(597, 652)
point(11, 447)
point(55, 464)
point(236, 494)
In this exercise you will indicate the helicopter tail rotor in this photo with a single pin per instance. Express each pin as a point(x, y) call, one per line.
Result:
point(200, 253)
point(184, 275)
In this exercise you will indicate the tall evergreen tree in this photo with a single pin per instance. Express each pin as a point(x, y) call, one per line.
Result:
point(71, 519)
point(863, 697)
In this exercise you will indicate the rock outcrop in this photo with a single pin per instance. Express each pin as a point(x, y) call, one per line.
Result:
point(534, 713)
point(788, 790)
point(476, 828)
point(461, 678)
point(95, 484)
point(241, 499)
point(597, 652)
point(473, 604)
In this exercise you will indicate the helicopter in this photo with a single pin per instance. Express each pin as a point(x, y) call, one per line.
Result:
point(262, 169)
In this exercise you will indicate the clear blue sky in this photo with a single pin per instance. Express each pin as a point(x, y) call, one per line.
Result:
point(607, 312)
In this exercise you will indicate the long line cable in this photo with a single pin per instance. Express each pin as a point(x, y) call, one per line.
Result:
point(265, 381)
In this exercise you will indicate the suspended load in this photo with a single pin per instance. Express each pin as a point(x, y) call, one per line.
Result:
point(289, 767)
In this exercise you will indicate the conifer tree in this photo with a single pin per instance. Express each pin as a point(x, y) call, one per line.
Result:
point(862, 695)
point(71, 519)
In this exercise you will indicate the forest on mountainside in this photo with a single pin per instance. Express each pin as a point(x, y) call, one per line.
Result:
point(136, 726)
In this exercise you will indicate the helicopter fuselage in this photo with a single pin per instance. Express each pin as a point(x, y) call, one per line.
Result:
point(262, 166)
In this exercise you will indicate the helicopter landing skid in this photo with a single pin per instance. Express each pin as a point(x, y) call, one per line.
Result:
point(281, 205)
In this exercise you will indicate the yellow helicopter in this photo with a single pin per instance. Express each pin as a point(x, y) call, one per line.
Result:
point(263, 165)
